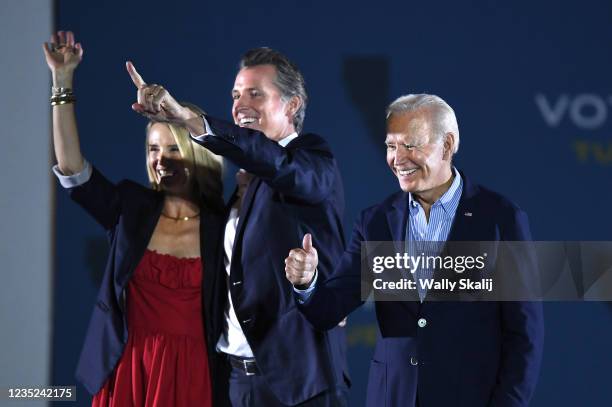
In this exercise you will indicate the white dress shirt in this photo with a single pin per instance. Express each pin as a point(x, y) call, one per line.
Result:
point(232, 340)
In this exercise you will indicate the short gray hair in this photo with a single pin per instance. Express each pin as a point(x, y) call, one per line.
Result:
point(443, 116)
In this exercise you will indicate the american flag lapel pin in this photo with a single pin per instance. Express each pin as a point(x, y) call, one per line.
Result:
point(467, 214)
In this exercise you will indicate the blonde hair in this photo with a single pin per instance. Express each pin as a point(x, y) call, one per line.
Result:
point(205, 168)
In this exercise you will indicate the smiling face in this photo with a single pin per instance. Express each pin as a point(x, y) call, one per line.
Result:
point(421, 162)
point(165, 161)
point(258, 103)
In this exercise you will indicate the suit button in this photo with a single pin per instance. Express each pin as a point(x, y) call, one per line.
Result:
point(422, 322)
point(414, 361)
point(246, 321)
point(235, 283)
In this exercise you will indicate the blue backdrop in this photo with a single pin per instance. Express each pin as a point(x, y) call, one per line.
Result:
point(530, 83)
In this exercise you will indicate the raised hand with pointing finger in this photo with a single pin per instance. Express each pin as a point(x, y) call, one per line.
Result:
point(301, 264)
point(185, 199)
point(155, 102)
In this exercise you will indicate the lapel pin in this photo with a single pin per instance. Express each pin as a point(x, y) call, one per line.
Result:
point(468, 214)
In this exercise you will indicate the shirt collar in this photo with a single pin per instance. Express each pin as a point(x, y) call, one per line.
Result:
point(286, 140)
point(449, 200)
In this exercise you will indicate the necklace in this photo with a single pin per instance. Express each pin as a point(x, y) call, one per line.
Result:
point(183, 218)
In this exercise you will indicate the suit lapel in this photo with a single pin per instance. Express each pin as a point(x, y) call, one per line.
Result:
point(243, 213)
point(467, 213)
point(140, 242)
point(247, 204)
point(397, 218)
point(462, 228)
point(230, 203)
point(210, 236)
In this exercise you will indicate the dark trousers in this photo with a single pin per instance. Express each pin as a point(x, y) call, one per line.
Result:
point(253, 391)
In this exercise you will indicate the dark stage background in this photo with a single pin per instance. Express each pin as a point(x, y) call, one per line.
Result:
point(530, 82)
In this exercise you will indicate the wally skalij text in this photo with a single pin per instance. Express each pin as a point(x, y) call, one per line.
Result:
point(444, 271)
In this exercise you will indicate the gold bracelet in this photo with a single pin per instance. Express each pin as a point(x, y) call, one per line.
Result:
point(62, 100)
point(62, 96)
point(56, 91)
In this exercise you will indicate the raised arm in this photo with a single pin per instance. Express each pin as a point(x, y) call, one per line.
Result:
point(63, 55)
point(86, 186)
point(307, 170)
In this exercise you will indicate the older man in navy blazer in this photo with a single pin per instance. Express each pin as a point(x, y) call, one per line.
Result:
point(431, 353)
point(294, 188)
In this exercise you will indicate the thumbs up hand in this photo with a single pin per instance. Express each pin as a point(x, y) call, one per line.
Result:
point(301, 264)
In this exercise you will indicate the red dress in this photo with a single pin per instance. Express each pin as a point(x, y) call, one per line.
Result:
point(164, 362)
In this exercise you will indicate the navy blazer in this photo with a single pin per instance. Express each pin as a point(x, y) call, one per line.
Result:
point(469, 353)
point(296, 190)
point(129, 212)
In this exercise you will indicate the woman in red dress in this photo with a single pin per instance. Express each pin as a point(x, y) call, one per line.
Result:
point(164, 356)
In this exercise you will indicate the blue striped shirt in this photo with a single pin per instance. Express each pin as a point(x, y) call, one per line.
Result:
point(418, 229)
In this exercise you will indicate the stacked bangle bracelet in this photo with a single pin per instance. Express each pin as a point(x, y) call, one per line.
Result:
point(61, 96)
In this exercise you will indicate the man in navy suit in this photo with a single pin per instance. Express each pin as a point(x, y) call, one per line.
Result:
point(431, 353)
point(291, 186)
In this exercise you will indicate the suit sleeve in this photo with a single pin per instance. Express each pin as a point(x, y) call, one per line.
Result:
point(522, 335)
point(305, 170)
point(100, 198)
point(340, 294)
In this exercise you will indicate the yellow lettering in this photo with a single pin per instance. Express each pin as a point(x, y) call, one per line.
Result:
point(593, 151)
point(582, 150)
point(602, 155)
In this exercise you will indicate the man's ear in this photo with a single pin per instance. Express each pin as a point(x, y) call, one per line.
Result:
point(294, 105)
point(449, 146)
